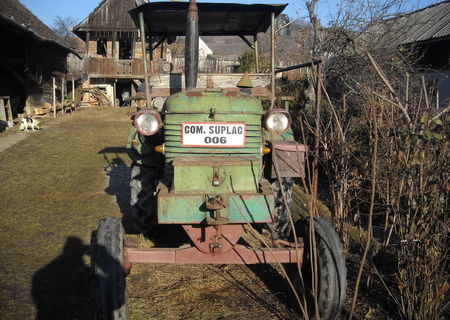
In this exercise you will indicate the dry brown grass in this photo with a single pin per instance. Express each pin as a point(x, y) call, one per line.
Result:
point(53, 190)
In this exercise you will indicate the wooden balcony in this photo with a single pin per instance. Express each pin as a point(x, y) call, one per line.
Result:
point(111, 68)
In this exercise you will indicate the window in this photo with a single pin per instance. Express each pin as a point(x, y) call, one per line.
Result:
point(101, 47)
point(125, 49)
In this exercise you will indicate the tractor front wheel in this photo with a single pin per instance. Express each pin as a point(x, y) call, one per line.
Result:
point(143, 199)
point(282, 224)
point(107, 262)
point(331, 270)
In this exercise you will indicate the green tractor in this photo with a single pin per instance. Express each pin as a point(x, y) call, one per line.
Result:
point(214, 162)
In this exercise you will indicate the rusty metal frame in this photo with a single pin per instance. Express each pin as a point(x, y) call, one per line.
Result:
point(290, 159)
point(213, 244)
point(247, 42)
point(191, 255)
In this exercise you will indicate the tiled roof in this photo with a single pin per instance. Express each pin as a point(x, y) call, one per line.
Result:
point(18, 14)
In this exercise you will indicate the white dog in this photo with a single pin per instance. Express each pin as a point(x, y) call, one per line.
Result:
point(27, 123)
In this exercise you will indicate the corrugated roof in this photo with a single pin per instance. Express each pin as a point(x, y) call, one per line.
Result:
point(18, 14)
point(215, 19)
point(427, 24)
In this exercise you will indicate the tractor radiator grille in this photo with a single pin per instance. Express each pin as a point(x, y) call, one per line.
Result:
point(174, 148)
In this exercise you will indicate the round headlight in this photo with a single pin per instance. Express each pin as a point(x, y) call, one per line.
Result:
point(147, 122)
point(278, 121)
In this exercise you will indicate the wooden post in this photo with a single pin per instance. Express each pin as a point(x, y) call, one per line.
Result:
point(9, 112)
point(3, 110)
point(113, 49)
point(133, 46)
point(272, 62)
point(437, 97)
point(144, 56)
point(73, 89)
point(63, 84)
point(114, 93)
point(255, 41)
point(88, 39)
point(54, 97)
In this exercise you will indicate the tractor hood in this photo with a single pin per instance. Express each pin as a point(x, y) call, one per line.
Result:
point(213, 102)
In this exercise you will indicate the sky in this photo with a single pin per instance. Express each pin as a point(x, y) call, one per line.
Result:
point(47, 10)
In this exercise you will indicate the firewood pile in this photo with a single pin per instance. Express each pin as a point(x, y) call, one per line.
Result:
point(46, 108)
point(97, 97)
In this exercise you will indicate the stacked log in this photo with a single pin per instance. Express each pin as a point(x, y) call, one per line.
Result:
point(96, 97)
point(46, 108)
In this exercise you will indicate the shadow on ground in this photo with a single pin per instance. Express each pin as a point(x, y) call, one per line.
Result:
point(118, 178)
point(119, 175)
point(63, 289)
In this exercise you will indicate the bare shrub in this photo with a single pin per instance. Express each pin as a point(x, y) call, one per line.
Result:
point(367, 84)
point(413, 194)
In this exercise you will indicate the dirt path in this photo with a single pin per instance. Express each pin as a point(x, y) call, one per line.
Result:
point(54, 186)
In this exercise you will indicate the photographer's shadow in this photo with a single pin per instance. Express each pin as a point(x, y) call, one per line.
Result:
point(64, 289)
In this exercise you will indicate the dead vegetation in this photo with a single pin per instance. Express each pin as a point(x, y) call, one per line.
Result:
point(381, 145)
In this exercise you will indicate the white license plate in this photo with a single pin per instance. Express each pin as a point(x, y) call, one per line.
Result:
point(207, 134)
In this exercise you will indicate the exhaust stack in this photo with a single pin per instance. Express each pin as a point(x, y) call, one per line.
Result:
point(191, 46)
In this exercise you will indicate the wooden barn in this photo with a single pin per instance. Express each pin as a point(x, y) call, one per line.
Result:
point(31, 55)
point(113, 54)
point(113, 58)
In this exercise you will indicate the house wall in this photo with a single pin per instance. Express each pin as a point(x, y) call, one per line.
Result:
point(158, 53)
point(112, 14)
point(435, 61)
point(442, 81)
point(49, 59)
point(26, 69)
point(203, 50)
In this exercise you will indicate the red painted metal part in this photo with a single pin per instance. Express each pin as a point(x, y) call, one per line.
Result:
point(213, 245)
point(290, 146)
point(191, 255)
point(204, 236)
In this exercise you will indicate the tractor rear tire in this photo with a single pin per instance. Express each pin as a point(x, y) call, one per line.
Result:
point(143, 199)
point(282, 224)
point(107, 262)
point(331, 271)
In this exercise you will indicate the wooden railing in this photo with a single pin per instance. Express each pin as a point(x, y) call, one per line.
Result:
point(108, 67)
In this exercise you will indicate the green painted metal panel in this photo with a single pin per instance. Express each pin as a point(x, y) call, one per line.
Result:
point(190, 209)
point(250, 119)
point(191, 150)
point(211, 106)
point(199, 178)
point(239, 169)
point(221, 101)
